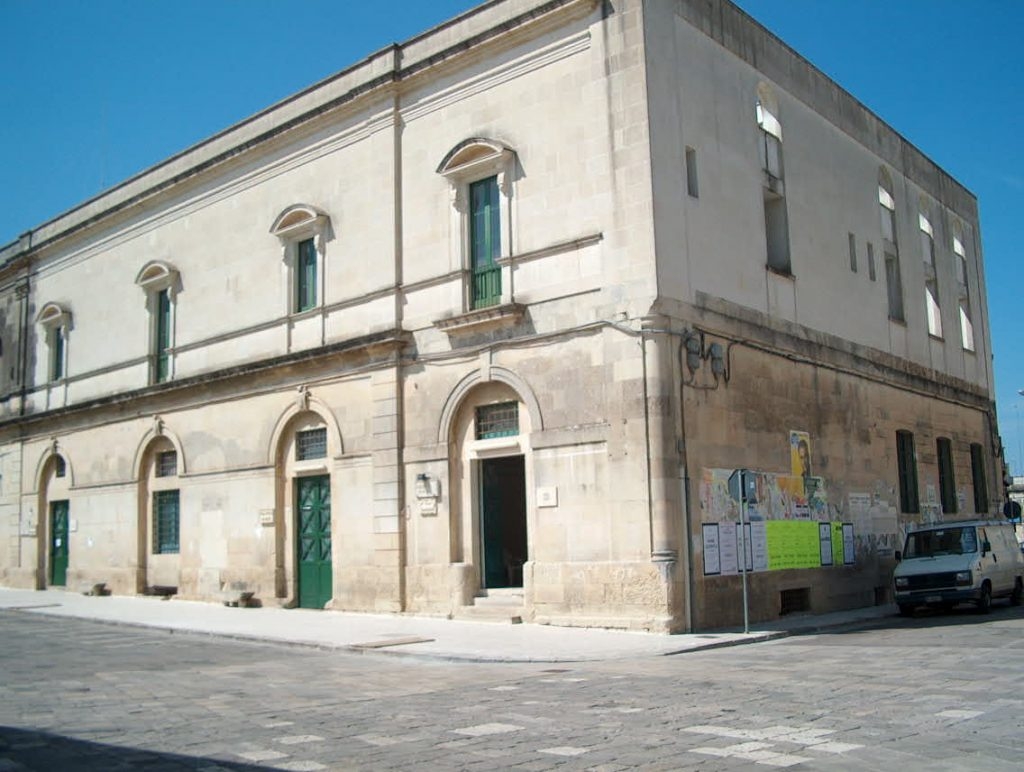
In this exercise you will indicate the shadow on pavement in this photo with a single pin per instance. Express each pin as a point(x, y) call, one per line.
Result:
point(922, 618)
point(24, 750)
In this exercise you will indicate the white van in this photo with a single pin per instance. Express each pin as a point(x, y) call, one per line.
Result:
point(972, 561)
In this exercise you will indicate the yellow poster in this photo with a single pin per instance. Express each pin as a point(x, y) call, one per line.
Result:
point(800, 454)
point(793, 544)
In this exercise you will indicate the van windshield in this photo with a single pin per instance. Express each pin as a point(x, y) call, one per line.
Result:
point(944, 541)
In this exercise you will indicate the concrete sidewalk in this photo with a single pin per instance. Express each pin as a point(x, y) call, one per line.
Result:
point(425, 637)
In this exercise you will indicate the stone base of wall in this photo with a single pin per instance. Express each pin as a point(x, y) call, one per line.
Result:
point(623, 595)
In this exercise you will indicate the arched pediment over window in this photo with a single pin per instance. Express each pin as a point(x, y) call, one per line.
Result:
point(157, 275)
point(53, 315)
point(475, 156)
point(299, 218)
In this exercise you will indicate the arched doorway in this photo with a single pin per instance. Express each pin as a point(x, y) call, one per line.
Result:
point(54, 530)
point(305, 528)
point(159, 517)
point(491, 472)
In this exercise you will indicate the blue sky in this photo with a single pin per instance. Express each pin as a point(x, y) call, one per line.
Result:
point(93, 91)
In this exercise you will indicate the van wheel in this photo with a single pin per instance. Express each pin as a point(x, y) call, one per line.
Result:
point(985, 600)
point(906, 610)
point(1018, 592)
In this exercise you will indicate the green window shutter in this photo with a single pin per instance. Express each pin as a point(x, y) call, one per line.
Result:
point(305, 276)
point(58, 353)
point(163, 335)
point(485, 242)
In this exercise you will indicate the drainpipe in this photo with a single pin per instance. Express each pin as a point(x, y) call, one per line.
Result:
point(664, 551)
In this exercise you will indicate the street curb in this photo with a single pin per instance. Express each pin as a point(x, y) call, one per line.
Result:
point(363, 650)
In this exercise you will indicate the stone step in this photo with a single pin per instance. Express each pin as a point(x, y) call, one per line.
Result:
point(505, 614)
point(501, 597)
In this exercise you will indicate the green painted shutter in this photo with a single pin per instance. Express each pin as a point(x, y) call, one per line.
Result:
point(58, 353)
point(305, 276)
point(485, 242)
point(163, 335)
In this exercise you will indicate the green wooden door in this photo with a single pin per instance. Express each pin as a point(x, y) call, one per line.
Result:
point(59, 543)
point(313, 496)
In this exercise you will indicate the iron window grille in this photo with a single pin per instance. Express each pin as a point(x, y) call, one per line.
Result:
point(500, 420)
point(310, 444)
point(165, 522)
point(167, 463)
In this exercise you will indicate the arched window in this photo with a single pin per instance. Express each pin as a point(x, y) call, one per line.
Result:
point(890, 244)
point(960, 258)
point(776, 221)
point(161, 283)
point(55, 320)
point(480, 174)
point(931, 281)
point(302, 230)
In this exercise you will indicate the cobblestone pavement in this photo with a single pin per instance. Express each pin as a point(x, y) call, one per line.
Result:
point(934, 692)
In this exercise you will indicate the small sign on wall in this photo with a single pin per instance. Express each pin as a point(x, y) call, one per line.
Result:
point(547, 497)
point(266, 517)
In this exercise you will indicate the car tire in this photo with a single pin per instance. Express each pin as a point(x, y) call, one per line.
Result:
point(1018, 592)
point(985, 600)
point(906, 610)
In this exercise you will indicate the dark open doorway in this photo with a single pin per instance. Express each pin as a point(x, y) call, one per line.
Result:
point(503, 521)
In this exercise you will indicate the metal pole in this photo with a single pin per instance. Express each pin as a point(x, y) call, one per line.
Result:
point(743, 549)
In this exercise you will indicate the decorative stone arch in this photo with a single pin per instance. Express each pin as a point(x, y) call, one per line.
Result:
point(304, 402)
point(299, 217)
point(52, 450)
point(481, 376)
point(53, 314)
point(476, 156)
point(157, 430)
point(157, 275)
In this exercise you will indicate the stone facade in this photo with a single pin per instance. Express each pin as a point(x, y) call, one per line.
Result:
point(487, 315)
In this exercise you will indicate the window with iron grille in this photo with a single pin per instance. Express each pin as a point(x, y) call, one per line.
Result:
point(311, 443)
point(165, 522)
point(167, 463)
point(500, 420)
point(60, 467)
point(906, 462)
point(947, 479)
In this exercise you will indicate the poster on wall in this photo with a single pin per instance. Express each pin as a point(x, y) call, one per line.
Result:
point(747, 544)
point(712, 562)
point(793, 544)
point(800, 454)
point(825, 535)
point(848, 547)
point(759, 545)
point(729, 555)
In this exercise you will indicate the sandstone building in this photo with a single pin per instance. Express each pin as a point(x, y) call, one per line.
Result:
point(490, 317)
